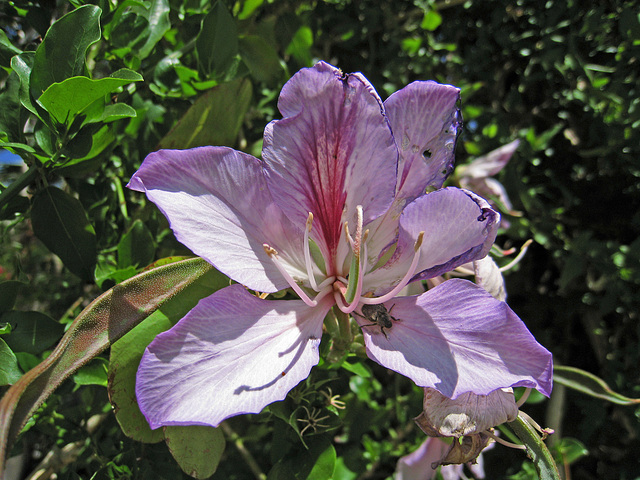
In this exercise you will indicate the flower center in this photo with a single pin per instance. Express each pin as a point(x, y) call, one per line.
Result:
point(347, 291)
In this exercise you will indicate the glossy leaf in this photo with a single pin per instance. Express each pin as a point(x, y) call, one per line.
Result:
point(9, 371)
point(159, 23)
point(7, 50)
point(136, 246)
point(60, 222)
point(10, 110)
point(66, 99)
point(217, 42)
point(103, 322)
point(589, 384)
point(197, 449)
point(127, 352)
point(31, 332)
point(214, 119)
point(62, 53)
point(22, 65)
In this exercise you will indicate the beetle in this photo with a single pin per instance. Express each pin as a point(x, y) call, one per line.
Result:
point(379, 316)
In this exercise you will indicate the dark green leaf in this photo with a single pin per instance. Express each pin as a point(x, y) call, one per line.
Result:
point(261, 59)
point(9, 371)
point(159, 23)
point(62, 53)
point(22, 65)
point(7, 50)
point(316, 463)
point(197, 449)
point(68, 98)
point(61, 223)
point(214, 119)
point(8, 294)
point(136, 246)
point(93, 373)
point(217, 42)
point(11, 109)
point(31, 332)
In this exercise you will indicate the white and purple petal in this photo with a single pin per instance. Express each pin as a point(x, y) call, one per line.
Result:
point(233, 353)
point(457, 338)
point(424, 118)
point(218, 205)
point(332, 151)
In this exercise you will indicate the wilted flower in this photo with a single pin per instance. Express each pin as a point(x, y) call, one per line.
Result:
point(337, 211)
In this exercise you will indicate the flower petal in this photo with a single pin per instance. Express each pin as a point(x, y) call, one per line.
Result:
point(458, 227)
point(424, 118)
point(233, 353)
point(457, 338)
point(332, 151)
point(417, 465)
point(218, 205)
point(489, 164)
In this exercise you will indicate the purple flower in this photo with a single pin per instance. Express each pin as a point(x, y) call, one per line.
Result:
point(335, 210)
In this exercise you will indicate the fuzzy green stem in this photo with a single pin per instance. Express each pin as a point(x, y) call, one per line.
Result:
point(536, 449)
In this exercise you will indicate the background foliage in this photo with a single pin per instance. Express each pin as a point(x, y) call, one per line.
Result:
point(84, 106)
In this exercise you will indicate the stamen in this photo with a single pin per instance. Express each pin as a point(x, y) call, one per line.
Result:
point(524, 397)
point(405, 280)
point(513, 263)
point(347, 235)
point(273, 255)
point(504, 442)
point(307, 253)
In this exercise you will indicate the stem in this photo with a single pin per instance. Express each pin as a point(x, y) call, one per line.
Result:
point(246, 454)
point(536, 449)
point(16, 187)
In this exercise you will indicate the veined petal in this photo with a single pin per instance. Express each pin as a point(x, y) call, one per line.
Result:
point(332, 151)
point(458, 227)
point(233, 353)
point(218, 205)
point(489, 164)
point(457, 338)
point(424, 118)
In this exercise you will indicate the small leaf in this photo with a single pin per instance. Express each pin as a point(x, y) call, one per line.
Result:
point(217, 42)
point(589, 384)
point(31, 332)
point(7, 50)
point(431, 20)
point(61, 223)
point(62, 53)
point(66, 99)
point(8, 294)
point(197, 449)
point(22, 65)
point(136, 247)
point(93, 373)
point(9, 371)
point(214, 119)
point(159, 24)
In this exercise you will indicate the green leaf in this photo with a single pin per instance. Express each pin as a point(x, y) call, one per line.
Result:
point(159, 24)
point(11, 110)
point(94, 373)
point(8, 294)
point(214, 119)
point(431, 20)
point(217, 42)
point(568, 450)
point(61, 223)
point(31, 332)
point(22, 65)
point(9, 371)
point(127, 352)
point(589, 384)
point(68, 98)
point(196, 448)
point(103, 322)
point(137, 246)
point(261, 59)
point(7, 50)
point(62, 53)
